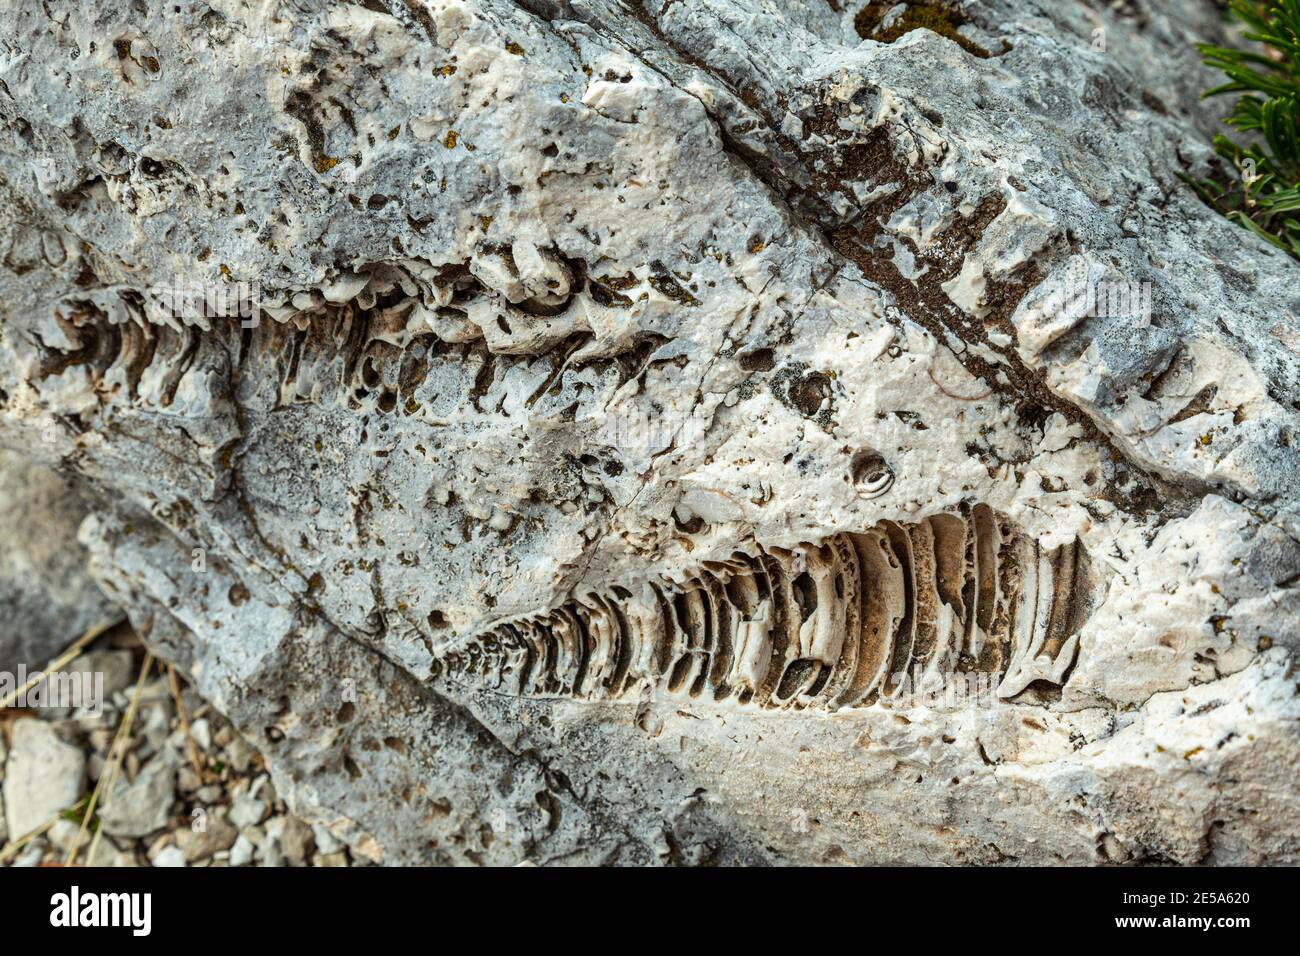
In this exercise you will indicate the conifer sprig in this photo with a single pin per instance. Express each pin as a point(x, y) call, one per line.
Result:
point(1265, 195)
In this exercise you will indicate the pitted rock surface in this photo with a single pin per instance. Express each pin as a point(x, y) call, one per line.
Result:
point(650, 403)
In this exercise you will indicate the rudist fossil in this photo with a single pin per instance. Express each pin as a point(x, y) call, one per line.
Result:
point(824, 625)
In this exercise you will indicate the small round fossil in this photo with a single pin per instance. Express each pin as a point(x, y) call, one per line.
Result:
point(872, 476)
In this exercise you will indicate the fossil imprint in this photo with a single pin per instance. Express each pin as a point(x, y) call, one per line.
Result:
point(823, 625)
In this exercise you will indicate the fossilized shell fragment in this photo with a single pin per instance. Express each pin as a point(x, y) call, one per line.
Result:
point(872, 476)
point(835, 623)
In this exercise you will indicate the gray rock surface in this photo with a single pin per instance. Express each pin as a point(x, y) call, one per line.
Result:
point(651, 404)
point(247, 810)
point(169, 856)
point(46, 598)
point(43, 775)
point(293, 838)
point(144, 805)
point(241, 854)
point(216, 835)
point(116, 666)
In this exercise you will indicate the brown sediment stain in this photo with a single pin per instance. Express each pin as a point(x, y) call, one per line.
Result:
point(935, 17)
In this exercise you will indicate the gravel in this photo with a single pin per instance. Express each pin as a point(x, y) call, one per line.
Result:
point(190, 791)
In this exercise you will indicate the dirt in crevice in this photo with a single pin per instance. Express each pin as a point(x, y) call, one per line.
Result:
point(936, 17)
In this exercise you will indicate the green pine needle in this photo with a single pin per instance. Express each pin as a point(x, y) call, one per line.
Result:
point(1265, 195)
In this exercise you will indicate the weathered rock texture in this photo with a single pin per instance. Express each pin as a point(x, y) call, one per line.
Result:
point(47, 599)
point(643, 387)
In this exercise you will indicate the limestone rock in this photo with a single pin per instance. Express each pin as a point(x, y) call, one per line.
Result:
point(676, 432)
point(169, 856)
point(144, 805)
point(241, 854)
point(216, 834)
point(43, 775)
point(46, 598)
point(116, 668)
point(247, 810)
point(293, 837)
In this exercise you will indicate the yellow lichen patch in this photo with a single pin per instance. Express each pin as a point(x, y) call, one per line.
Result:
point(447, 70)
point(325, 163)
point(758, 246)
point(514, 48)
point(450, 139)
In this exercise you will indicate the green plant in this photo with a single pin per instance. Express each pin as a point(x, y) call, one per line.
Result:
point(1265, 195)
point(77, 813)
